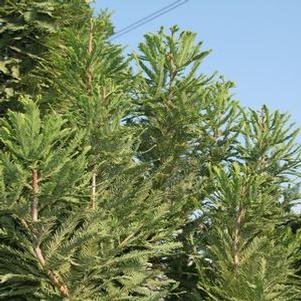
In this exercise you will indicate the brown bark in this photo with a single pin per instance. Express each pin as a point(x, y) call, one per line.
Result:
point(35, 200)
point(90, 89)
point(93, 193)
point(239, 216)
point(90, 49)
point(37, 249)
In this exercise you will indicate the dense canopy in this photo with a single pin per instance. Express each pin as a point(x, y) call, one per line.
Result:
point(139, 177)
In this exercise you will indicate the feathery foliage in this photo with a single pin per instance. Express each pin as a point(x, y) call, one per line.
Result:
point(140, 178)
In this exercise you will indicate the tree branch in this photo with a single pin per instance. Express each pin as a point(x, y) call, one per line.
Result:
point(239, 216)
point(36, 245)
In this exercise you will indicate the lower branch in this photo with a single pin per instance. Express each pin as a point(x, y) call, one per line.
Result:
point(35, 200)
point(93, 193)
point(38, 252)
point(239, 216)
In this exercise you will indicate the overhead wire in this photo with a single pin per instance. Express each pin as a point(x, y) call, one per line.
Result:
point(148, 18)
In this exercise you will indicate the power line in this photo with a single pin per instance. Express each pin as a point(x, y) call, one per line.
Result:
point(148, 18)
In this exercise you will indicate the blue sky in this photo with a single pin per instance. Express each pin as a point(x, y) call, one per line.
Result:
point(257, 44)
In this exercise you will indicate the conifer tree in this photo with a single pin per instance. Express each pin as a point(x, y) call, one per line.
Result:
point(53, 245)
point(42, 173)
point(101, 251)
point(246, 250)
point(149, 183)
point(190, 121)
point(244, 253)
point(85, 86)
point(88, 81)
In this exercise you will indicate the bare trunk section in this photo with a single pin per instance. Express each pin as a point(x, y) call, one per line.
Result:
point(35, 200)
point(90, 49)
point(239, 216)
point(90, 90)
point(93, 193)
point(36, 245)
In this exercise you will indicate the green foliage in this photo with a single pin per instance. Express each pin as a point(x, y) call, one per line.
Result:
point(103, 254)
point(136, 183)
point(46, 145)
point(169, 94)
point(24, 28)
point(269, 144)
point(244, 254)
point(90, 86)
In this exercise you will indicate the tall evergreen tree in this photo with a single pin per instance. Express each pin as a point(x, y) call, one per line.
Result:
point(149, 183)
point(101, 246)
point(244, 253)
point(53, 245)
point(190, 121)
point(246, 250)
